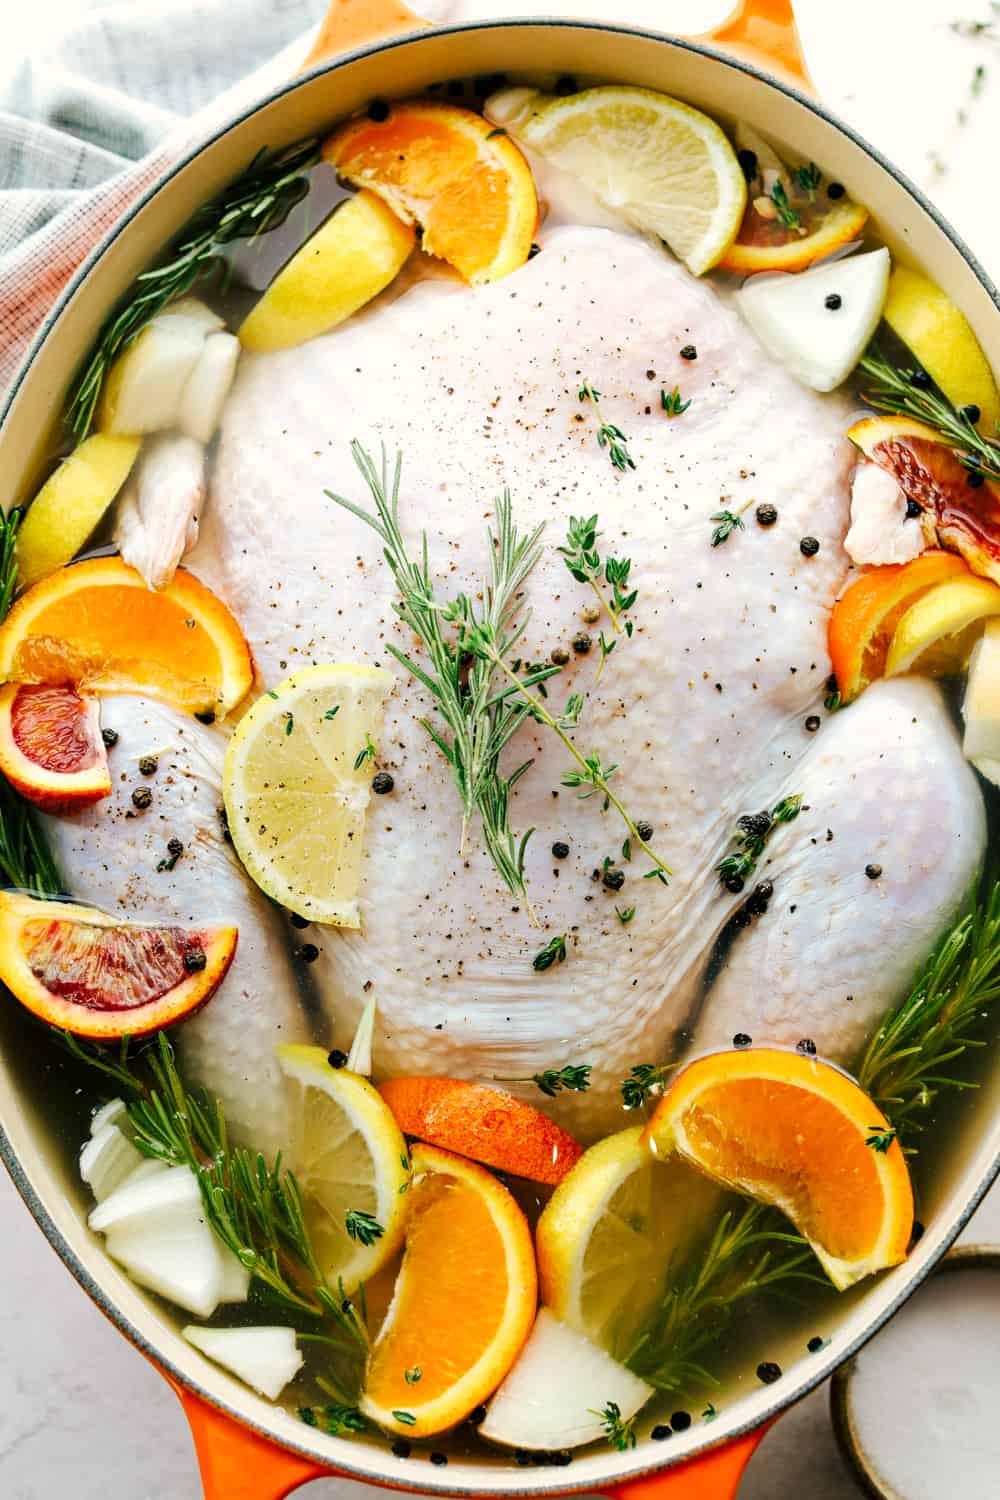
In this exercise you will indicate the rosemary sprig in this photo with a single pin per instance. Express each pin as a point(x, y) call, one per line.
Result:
point(480, 716)
point(254, 203)
point(752, 833)
point(608, 435)
point(620, 1434)
point(908, 1061)
point(908, 393)
point(749, 1251)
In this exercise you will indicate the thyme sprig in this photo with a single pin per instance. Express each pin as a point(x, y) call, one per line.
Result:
point(608, 435)
point(619, 1433)
point(728, 522)
point(575, 1079)
point(752, 833)
point(894, 390)
point(789, 216)
point(643, 1081)
point(554, 952)
point(910, 1058)
point(672, 402)
point(481, 715)
point(258, 200)
point(809, 178)
point(583, 559)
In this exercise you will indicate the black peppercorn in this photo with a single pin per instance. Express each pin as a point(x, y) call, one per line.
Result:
point(110, 738)
point(565, 85)
point(401, 1448)
point(834, 302)
point(809, 546)
point(644, 830)
point(807, 1047)
point(439, 1458)
point(560, 850)
point(768, 1372)
point(296, 920)
point(689, 352)
point(742, 1040)
point(614, 879)
point(175, 848)
point(920, 379)
point(917, 1232)
point(913, 509)
point(660, 1432)
point(835, 190)
point(561, 1458)
point(680, 1421)
point(813, 723)
point(766, 515)
point(815, 1344)
point(756, 902)
point(382, 783)
point(971, 413)
point(975, 479)
point(336, 1058)
point(148, 765)
point(534, 250)
point(734, 884)
point(142, 797)
point(873, 871)
point(748, 161)
point(194, 960)
point(560, 655)
point(581, 643)
point(378, 111)
point(522, 1458)
point(477, 1415)
point(308, 953)
point(224, 824)
point(207, 716)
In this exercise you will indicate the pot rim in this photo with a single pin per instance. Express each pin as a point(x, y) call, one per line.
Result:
point(345, 1464)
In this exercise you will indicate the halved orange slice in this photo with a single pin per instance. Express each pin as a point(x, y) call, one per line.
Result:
point(489, 1125)
point(96, 976)
point(464, 1301)
point(450, 171)
point(962, 506)
point(865, 616)
point(96, 625)
point(798, 1133)
point(51, 749)
point(771, 245)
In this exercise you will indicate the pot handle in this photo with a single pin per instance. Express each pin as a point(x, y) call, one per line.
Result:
point(235, 1462)
point(760, 32)
point(714, 1475)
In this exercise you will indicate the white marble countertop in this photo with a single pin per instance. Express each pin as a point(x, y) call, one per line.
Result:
point(82, 1417)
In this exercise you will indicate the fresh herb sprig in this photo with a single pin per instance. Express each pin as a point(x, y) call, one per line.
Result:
point(643, 1081)
point(574, 1079)
point(608, 435)
point(554, 952)
point(335, 1418)
point(809, 178)
point(752, 833)
point(908, 393)
point(480, 714)
point(673, 403)
point(911, 1057)
point(583, 559)
point(728, 521)
point(258, 200)
point(619, 1433)
point(880, 1140)
point(789, 216)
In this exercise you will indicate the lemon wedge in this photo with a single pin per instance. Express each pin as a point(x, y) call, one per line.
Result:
point(346, 263)
point(938, 334)
point(607, 1233)
point(937, 633)
point(351, 1162)
point(70, 503)
point(297, 783)
point(665, 167)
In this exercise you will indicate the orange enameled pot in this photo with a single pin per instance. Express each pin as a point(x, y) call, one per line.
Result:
point(750, 68)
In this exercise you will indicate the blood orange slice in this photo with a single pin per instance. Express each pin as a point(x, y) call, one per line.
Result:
point(93, 975)
point(51, 749)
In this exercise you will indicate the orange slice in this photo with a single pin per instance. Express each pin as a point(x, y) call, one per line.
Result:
point(51, 749)
point(99, 977)
point(453, 173)
point(464, 1300)
point(96, 625)
point(865, 616)
point(769, 245)
point(800, 1134)
point(489, 1125)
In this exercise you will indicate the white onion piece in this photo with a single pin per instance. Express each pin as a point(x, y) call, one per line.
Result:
point(108, 1114)
point(207, 387)
point(146, 382)
point(265, 1358)
point(234, 1285)
point(107, 1159)
point(193, 311)
point(176, 1257)
point(359, 1059)
point(148, 1199)
point(560, 1380)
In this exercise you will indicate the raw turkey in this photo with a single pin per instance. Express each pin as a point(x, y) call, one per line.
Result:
point(707, 710)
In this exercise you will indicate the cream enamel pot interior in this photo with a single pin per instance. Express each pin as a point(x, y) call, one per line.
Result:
point(749, 69)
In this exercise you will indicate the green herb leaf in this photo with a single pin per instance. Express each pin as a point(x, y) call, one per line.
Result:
point(672, 404)
point(406, 1418)
point(553, 952)
point(880, 1140)
point(620, 1434)
point(608, 435)
point(362, 1227)
point(625, 914)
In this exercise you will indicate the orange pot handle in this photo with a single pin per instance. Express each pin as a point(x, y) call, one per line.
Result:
point(714, 1475)
point(760, 32)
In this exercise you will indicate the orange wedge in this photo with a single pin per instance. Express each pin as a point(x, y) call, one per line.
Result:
point(800, 1134)
point(51, 749)
point(768, 245)
point(453, 173)
point(489, 1125)
point(96, 625)
point(864, 618)
point(464, 1301)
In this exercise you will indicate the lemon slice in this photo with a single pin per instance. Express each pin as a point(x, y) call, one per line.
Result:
point(665, 167)
point(70, 503)
point(346, 263)
point(350, 1160)
point(295, 794)
point(607, 1233)
point(938, 335)
point(937, 633)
